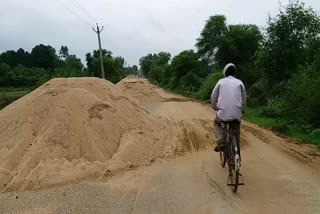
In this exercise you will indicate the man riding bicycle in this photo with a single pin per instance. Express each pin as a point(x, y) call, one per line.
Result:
point(228, 98)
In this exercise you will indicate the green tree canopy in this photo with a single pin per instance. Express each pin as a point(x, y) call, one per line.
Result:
point(64, 52)
point(14, 58)
point(44, 56)
point(211, 37)
point(291, 39)
point(220, 44)
point(151, 61)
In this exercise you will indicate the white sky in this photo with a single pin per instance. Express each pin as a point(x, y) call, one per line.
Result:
point(133, 28)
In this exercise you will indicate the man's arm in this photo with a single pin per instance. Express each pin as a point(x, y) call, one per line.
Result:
point(214, 96)
point(244, 95)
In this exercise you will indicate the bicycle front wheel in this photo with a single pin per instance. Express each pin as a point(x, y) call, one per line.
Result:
point(223, 158)
point(233, 167)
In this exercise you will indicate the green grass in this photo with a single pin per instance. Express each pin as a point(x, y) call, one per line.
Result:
point(15, 93)
point(9, 95)
point(255, 115)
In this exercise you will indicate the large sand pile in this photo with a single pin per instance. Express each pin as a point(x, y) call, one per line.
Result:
point(76, 129)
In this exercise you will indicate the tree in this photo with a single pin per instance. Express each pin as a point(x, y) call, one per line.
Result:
point(146, 63)
point(90, 67)
point(44, 56)
point(239, 45)
point(73, 68)
point(220, 44)
point(185, 63)
point(23, 58)
point(153, 64)
point(4, 70)
point(163, 58)
point(290, 38)
point(64, 52)
point(14, 58)
point(9, 58)
point(114, 66)
point(73, 62)
point(106, 53)
point(211, 37)
point(135, 68)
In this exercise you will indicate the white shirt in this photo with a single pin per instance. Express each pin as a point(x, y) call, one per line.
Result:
point(229, 97)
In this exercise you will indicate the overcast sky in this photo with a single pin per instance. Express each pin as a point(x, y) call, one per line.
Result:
point(133, 28)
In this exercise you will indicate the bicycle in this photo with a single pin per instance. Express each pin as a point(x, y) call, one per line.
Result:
point(231, 153)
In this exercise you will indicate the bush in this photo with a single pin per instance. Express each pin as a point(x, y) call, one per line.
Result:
point(207, 86)
point(65, 72)
point(6, 100)
point(274, 108)
point(303, 94)
point(21, 76)
point(189, 83)
point(280, 126)
point(258, 93)
point(316, 134)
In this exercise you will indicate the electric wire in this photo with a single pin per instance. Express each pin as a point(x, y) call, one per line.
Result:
point(75, 14)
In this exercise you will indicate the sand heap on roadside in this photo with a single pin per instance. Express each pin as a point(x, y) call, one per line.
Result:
point(67, 129)
point(77, 129)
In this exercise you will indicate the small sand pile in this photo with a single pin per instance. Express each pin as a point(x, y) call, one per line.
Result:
point(145, 92)
point(140, 89)
point(76, 129)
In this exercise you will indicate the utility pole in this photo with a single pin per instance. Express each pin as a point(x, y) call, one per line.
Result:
point(98, 31)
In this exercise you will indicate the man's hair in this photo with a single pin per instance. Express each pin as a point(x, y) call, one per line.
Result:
point(231, 71)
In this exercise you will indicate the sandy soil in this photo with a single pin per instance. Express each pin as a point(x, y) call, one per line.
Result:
point(181, 174)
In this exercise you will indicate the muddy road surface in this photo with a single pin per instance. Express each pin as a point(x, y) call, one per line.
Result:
point(280, 175)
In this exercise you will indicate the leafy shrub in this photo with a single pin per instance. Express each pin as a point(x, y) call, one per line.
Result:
point(316, 133)
point(274, 107)
point(280, 126)
point(303, 95)
point(6, 100)
point(257, 93)
point(189, 83)
point(207, 86)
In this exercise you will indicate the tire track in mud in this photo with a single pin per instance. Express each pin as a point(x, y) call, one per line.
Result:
point(303, 152)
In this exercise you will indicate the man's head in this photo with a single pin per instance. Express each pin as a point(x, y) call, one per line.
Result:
point(229, 70)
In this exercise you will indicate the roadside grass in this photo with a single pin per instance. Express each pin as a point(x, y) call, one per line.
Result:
point(9, 95)
point(301, 134)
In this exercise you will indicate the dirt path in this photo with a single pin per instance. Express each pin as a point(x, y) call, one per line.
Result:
point(280, 177)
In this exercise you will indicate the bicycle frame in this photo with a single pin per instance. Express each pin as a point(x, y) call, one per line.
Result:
point(232, 155)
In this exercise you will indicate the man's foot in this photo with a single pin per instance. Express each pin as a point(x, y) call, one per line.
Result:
point(219, 148)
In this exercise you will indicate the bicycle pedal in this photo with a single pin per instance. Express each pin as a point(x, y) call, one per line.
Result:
point(241, 180)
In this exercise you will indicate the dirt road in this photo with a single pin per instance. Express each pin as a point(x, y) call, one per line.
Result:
point(279, 176)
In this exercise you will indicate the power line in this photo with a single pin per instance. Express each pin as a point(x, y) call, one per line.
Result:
point(86, 12)
point(75, 14)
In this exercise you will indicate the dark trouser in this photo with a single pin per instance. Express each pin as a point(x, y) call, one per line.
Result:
point(218, 130)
